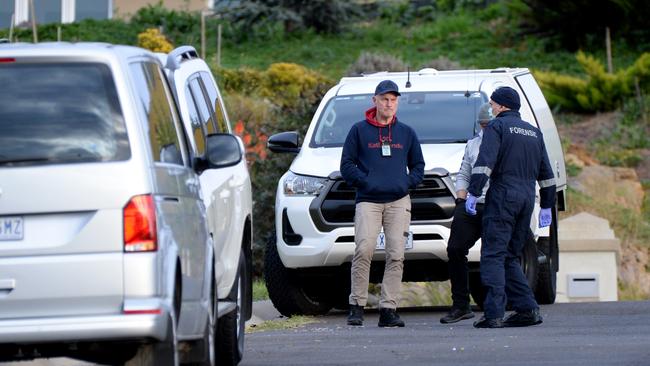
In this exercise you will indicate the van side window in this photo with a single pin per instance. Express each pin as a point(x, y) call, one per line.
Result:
point(198, 130)
point(217, 105)
point(160, 112)
point(202, 104)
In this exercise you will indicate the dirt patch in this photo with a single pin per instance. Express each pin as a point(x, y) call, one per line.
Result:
point(587, 129)
point(643, 169)
point(610, 184)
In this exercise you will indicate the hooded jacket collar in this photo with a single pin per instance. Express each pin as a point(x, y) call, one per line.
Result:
point(371, 117)
point(509, 112)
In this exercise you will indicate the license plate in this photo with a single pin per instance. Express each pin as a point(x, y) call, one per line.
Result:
point(381, 241)
point(11, 228)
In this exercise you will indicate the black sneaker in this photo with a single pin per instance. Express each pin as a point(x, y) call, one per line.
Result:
point(455, 315)
point(523, 318)
point(356, 315)
point(488, 323)
point(389, 318)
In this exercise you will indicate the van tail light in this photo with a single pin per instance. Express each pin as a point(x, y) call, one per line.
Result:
point(140, 225)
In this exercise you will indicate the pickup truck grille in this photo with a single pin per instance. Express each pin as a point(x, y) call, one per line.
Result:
point(431, 201)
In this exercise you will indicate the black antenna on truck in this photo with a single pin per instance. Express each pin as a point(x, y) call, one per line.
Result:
point(408, 77)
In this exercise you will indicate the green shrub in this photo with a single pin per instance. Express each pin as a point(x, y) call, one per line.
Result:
point(153, 40)
point(181, 27)
point(369, 62)
point(597, 90)
point(621, 146)
point(612, 155)
point(243, 80)
point(286, 85)
point(406, 12)
point(261, 103)
point(442, 63)
point(264, 18)
point(561, 90)
point(291, 85)
point(114, 31)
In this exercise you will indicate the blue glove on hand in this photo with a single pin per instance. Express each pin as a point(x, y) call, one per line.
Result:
point(544, 217)
point(470, 205)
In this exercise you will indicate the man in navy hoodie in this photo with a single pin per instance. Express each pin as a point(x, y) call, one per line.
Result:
point(382, 159)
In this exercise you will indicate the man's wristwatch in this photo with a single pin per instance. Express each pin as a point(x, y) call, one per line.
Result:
point(460, 200)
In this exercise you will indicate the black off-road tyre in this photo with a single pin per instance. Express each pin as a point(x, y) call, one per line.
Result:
point(230, 338)
point(529, 262)
point(204, 351)
point(547, 277)
point(286, 290)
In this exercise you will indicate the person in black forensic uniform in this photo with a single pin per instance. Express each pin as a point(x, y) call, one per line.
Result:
point(513, 157)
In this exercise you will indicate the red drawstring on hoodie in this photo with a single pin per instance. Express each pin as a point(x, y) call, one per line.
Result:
point(371, 115)
point(390, 134)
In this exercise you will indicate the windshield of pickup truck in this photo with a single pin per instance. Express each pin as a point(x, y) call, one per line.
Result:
point(53, 113)
point(437, 117)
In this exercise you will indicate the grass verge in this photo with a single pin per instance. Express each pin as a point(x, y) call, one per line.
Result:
point(259, 290)
point(297, 321)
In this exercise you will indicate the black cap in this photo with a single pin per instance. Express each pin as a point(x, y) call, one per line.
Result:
point(387, 86)
point(507, 97)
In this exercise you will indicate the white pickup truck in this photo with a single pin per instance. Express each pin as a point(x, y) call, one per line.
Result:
point(307, 263)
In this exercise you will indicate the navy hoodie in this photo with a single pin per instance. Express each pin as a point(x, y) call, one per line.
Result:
point(378, 178)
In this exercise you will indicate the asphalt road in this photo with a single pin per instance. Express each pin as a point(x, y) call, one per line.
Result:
point(613, 333)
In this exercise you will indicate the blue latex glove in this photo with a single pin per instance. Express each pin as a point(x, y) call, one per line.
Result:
point(544, 217)
point(470, 204)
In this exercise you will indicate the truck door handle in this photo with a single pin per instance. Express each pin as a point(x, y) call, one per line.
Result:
point(6, 286)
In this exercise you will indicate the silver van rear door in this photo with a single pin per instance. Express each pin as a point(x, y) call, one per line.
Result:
point(64, 153)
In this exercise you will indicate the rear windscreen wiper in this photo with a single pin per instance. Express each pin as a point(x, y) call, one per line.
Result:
point(23, 160)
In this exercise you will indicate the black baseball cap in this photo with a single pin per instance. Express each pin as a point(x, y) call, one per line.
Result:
point(387, 86)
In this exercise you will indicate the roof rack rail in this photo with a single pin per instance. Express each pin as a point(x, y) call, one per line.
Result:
point(180, 54)
point(375, 73)
point(499, 70)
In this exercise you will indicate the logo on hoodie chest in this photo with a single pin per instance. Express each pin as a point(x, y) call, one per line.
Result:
point(377, 145)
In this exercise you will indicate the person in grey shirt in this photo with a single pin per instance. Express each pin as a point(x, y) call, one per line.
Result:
point(465, 228)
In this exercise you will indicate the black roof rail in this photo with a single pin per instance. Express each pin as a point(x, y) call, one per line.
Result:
point(180, 54)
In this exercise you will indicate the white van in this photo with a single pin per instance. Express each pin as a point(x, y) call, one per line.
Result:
point(104, 246)
point(227, 195)
point(307, 263)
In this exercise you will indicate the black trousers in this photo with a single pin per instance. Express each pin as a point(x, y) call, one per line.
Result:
point(465, 231)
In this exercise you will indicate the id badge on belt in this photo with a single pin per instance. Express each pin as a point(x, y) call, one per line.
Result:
point(385, 148)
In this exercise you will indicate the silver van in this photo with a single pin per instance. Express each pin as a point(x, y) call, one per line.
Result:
point(104, 248)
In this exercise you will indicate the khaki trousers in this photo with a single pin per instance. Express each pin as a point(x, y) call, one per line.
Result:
point(369, 218)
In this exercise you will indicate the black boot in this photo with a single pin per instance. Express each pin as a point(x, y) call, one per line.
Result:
point(356, 315)
point(389, 318)
point(456, 314)
point(523, 318)
point(488, 323)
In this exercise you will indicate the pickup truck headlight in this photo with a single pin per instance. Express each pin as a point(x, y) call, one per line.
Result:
point(453, 177)
point(295, 184)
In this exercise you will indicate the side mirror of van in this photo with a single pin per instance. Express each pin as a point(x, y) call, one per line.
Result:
point(284, 142)
point(223, 150)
